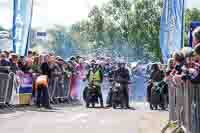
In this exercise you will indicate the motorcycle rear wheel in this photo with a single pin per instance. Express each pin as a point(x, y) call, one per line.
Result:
point(114, 106)
point(93, 105)
point(87, 105)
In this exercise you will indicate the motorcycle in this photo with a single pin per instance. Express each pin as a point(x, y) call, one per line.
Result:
point(92, 95)
point(158, 96)
point(117, 96)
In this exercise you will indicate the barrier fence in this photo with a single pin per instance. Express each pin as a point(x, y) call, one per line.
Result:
point(19, 88)
point(184, 106)
point(4, 87)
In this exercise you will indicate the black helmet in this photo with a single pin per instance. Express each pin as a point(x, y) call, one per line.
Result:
point(93, 62)
point(72, 58)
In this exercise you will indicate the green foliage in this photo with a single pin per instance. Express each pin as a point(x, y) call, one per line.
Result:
point(59, 41)
point(146, 26)
point(120, 27)
point(133, 23)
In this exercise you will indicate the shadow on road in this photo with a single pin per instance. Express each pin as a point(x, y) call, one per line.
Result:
point(130, 108)
point(25, 108)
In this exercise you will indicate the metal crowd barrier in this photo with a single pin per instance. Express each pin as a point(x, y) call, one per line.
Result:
point(56, 91)
point(184, 107)
point(4, 85)
point(172, 101)
point(7, 84)
point(195, 109)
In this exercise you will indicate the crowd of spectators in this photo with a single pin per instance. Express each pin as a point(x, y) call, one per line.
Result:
point(59, 71)
point(185, 64)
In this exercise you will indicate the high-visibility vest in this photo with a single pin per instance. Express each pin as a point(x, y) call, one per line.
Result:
point(94, 76)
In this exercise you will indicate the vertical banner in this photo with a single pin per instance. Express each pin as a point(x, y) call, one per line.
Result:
point(171, 27)
point(22, 25)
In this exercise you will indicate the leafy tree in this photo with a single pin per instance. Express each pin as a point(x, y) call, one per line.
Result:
point(59, 41)
point(120, 27)
point(134, 24)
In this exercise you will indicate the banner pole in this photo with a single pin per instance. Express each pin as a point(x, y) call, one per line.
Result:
point(183, 25)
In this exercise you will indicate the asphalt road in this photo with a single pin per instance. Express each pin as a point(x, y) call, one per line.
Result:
point(78, 119)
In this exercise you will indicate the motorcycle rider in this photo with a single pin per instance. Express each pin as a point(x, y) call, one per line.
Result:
point(122, 76)
point(156, 75)
point(95, 76)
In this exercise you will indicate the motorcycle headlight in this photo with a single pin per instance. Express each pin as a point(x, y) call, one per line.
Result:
point(117, 85)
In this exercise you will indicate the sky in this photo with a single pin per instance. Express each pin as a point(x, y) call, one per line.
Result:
point(63, 12)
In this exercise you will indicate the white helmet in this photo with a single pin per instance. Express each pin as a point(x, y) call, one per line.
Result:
point(121, 61)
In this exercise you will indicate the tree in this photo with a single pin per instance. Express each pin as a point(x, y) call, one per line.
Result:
point(121, 27)
point(59, 41)
point(120, 24)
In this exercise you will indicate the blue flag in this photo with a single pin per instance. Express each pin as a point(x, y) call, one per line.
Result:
point(22, 25)
point(171, 27)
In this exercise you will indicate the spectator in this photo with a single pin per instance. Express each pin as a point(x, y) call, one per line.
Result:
point(36, 65)
point(196, 36)
point(197, 50)
point(4, 60)
point(45, 69)
point(7, 54)
point(42, 92)
point(156, 74)
point(30, 54)
point(170, 66)
point(67, 75)
point(53, 81)
point(60, 84)
point(27, 68)
point(21, 63)
point(13, 63)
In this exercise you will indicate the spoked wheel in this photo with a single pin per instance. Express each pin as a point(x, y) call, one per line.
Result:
point(87, 105)
point(162, 106)
point(122, 106)
point(151, 107)
point(114, 106)
point(93, 105)
point(156, 107)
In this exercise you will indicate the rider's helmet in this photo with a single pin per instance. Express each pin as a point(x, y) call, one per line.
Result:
point(121, 64)
point(72, 58)
point(93, 63)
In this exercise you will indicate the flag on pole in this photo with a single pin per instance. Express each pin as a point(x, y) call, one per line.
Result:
point(22, 25)
point(171, 27)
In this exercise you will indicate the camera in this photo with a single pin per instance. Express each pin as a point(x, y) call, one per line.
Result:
point(178, 68)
